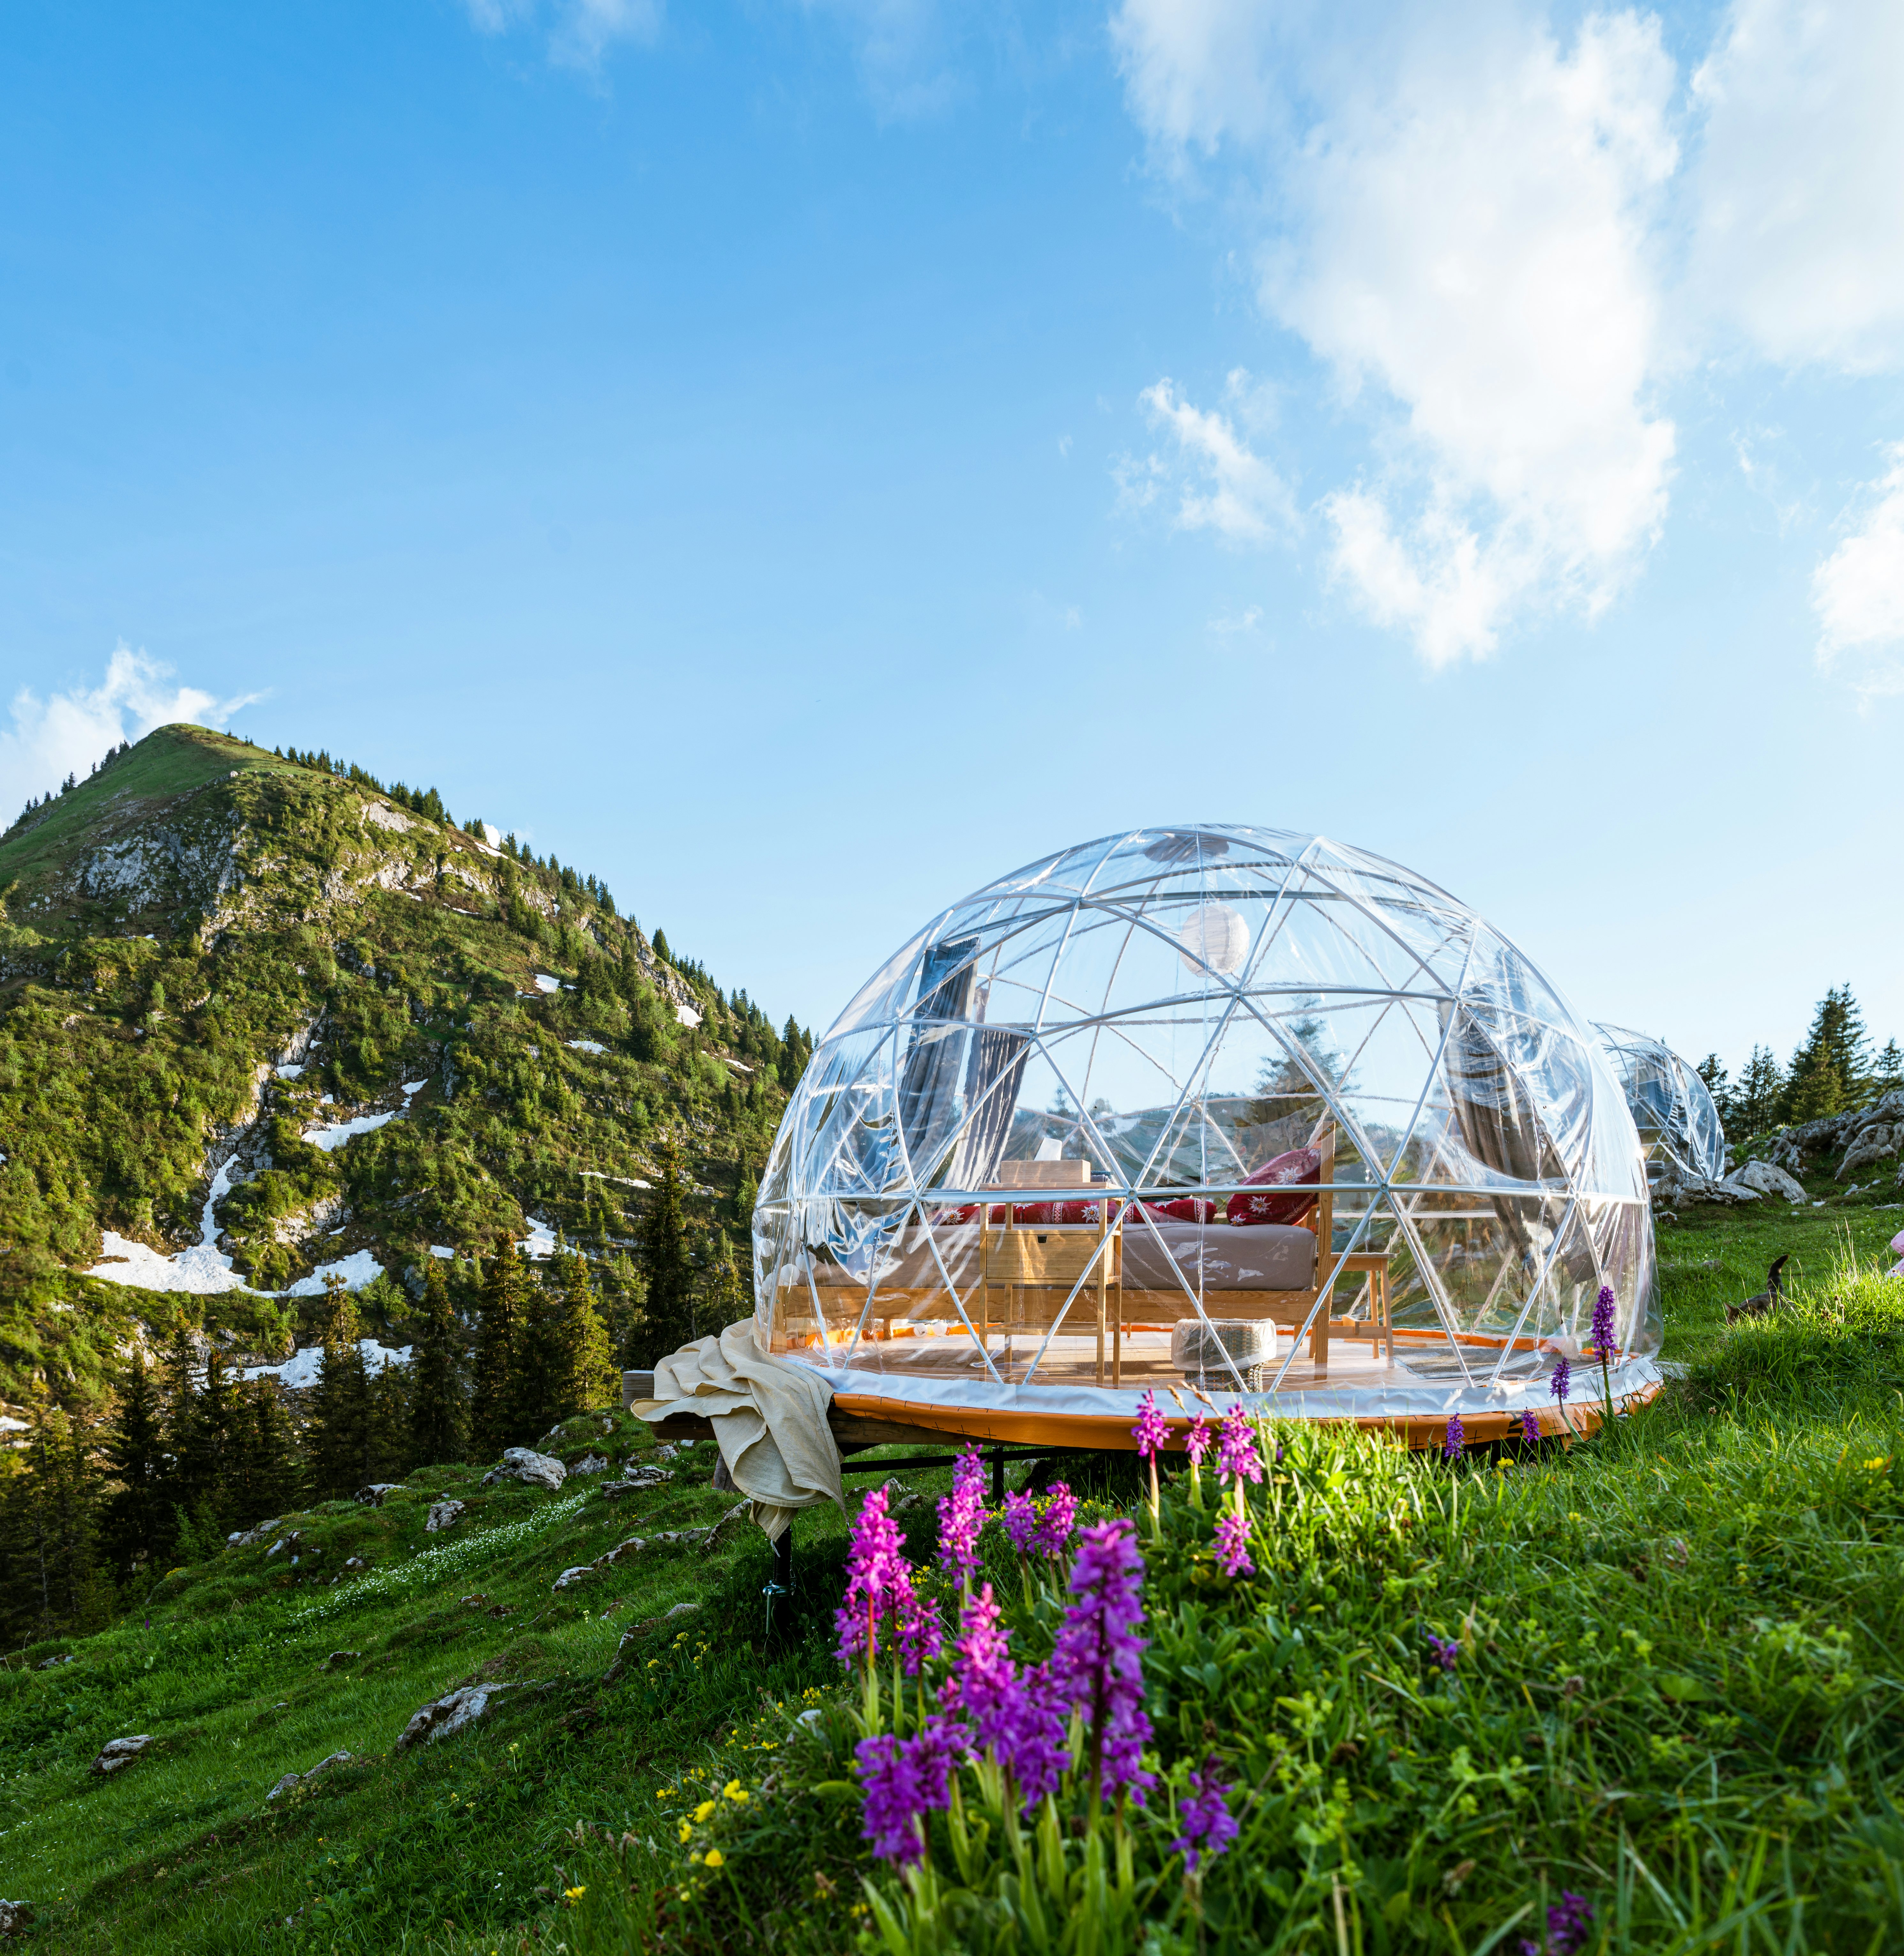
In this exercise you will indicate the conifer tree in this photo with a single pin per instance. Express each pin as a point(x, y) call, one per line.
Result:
point(1761, 1088)
point(439, 1418)
point(54, 1582)
point(537, 1380)
point(138, 1518)
point(727, 1301)
point(266, 1469)
point(590, 1377)
point(1887, 1070)
point(204, 1443)
point(667, 1320)
point(1828, 1072)
point(492, 1407)
point(340, 1401)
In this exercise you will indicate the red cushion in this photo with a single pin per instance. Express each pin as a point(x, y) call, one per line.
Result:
point(1254, 1204)
point(1188, 1208)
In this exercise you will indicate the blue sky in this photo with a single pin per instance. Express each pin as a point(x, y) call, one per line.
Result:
point(799, 461)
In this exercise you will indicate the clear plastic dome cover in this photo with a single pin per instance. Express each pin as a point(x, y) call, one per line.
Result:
point(1206, 1106)
point(1670, 1105)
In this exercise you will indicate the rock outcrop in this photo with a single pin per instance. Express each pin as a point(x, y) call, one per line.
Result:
point(455, 1711)
point(291, 1782)
point(117, 1754)
point(532, 1470)
point(443, 1514)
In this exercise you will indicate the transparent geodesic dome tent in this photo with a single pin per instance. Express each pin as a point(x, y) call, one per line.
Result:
point(1214, 1109)
point(1672, 1107)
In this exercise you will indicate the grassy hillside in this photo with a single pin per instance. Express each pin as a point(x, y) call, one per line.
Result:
point(200, 920)
point(1675, 1692)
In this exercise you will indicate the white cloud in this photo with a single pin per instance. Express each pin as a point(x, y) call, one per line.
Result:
point(65, 735)
point(1463, 236)
point(1222, 483)
point(1798, 188)
point(1858, 592)
point(580, 32)
point(1225, 627)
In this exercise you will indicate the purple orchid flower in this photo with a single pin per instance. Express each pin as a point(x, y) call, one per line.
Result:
point(1055, 1523)
point(1096, 1667)
point(1238, 1455)
point(1205, 1816)
point(961, 1516)
point(903, 1780)
point(1152, 1431)
point(1233, 1550)
point(1603, 1332)
point(1455, 1439)
point(1445, 1651)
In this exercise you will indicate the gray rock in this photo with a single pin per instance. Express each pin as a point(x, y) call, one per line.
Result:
point(339, 1657)
point(532, 1470)
point(1769, 1179)
point(14, 1917)
point(1875, 1142)
point(443, 1514)
point(570, 1578)
point(590, 1463)
point(292, 1781)
point(454, 1712)
point(372, 1497)
point(251, 1537)
point(52, 1662)
point(632, 1483)
point(117, 1754)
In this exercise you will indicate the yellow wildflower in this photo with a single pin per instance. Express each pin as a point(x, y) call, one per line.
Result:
point(735, 1791)
point(701, 1812)
point(687, 1832)
point(714, 1857)
point(574, 1895)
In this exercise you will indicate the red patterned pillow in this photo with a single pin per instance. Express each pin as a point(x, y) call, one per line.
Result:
point(1255, 1204)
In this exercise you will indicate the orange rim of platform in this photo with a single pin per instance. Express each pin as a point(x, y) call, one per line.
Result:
point(1110, 1432)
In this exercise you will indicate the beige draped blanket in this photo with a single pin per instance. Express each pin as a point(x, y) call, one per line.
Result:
point(770, 1421)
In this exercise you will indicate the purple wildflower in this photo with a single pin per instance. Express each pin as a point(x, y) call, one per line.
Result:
point(879, 1580)
point(1008, 1711)
point(1603, 1322)
point(1570, 1922)
point(1232, 1552)
point(1060, 1518)
point(1530, 1426)
point(1020, 1520)
point(903, 1781)
point(1446, 1650)
point(1152, 1431)
point(1097, 1665)
point(1236, 1452)
point(1454, 1439)
point(1208, 1826)
point(1197, 1441)
point(921, 1634)
point(962, 1515)
point(1563, 1378)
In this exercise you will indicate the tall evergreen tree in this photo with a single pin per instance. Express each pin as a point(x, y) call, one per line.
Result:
point(536, 1386)
point(667, 1320)
point(1887, 1070)
point(55, 1584)
point(265, 1469)
point(204, 1444)
point(1829, 1071)
point(1761, 1091)
point(338, 1436)
point(1712, 1071)
point(492, 1406)
point(138, 1518)
point(590, 1377)
point(439, 1417)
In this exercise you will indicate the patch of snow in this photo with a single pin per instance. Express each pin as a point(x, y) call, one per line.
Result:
point(331, 1139)
point(544, 982)
point(740, 1065)
point(626, 1180)
point(541, 1240)
point(413, 1087)
point(9, 1424)
point(302, 1368)
point(586, 1045)
point(198, 1272)
point(327, 1102)
point(290, 1072)
point(358, 1269)
point(447, 1256)
point(686, 1015)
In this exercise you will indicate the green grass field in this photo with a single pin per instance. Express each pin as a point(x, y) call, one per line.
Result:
point(1679, 1694)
